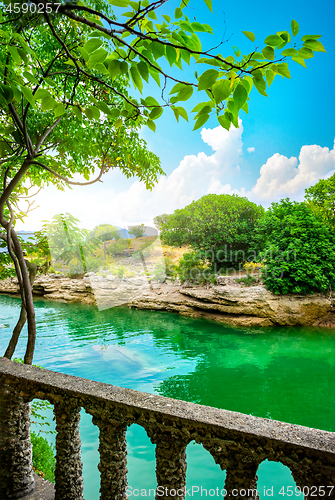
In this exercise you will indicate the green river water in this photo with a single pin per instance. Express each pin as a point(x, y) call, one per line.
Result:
point(285, 374)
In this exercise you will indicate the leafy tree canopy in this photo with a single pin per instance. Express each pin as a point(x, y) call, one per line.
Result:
point(220, 226)
point(299, 249)
point(137, 231)
point(321, 198)
point(105, 232)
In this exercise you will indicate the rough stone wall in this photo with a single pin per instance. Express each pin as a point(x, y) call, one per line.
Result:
point(237, 442)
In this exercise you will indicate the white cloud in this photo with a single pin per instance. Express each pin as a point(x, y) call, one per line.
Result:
point(251, 150)
point(195, 176)
point(282, 176)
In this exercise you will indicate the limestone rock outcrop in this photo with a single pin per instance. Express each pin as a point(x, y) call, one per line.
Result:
point(229, 304)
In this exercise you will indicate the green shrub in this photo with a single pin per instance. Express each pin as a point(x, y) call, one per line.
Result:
point(44, 461)
point(120, 271)
point(248, 280)
point(117, 247)
point(298, 249)
point(192, 268)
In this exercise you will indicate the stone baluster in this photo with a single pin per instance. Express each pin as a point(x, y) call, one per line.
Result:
point(16, 467)
point(315, 480)
point(68, 473)
point(113, 454)
point(170, 463)
point(241, 481)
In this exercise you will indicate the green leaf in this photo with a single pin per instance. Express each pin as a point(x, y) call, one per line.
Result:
point(310, 37)
point(92, 45)
point(136, 78)
point(249, 35)
point(17, 92)
point(199, 27)
point(221, 90)
point(114, 68)
point(118, 123)
point(23, 55)
point(184, 94)
point(101, 68)
point(305, 53)
point(182, 112)
point(260, 84)
point(171, 54)
point(151, 101)
point(294, 27)
point(155, 75)
point(28, 95)
point(201, 121)
point(269, 53)
point(273, 40)
point(240, 95)
point(314, 45)
point(207, 79)
point(48, 102)
point(176, 88)
point(185, 55)
point(269, 75)
point(97, 56)
point(152, 15)
point(289, 52)
point(178, 13)
point(7, 93)
point(225, 120)
point(209, 4)
point(167, 18)
point(143, 70)
point(283, 70)
point(237, 51)
point(151, 125)
point(92, 113)
point(30, 77)
point(41, 93)
point(15, 55)
point(248, 83)
point(285, 36)
point(299, 60)
point(157, 49)
point(59, 110)
point(124, 67)
point(176, 113)
point(156, 113)
point(77, 111)
point(118, 3)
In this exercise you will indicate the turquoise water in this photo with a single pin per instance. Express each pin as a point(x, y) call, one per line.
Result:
point(280, 373)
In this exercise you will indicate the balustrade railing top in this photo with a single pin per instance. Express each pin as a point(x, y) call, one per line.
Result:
point(237, 442)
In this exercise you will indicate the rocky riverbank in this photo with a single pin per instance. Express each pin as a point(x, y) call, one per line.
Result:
point(227, 303)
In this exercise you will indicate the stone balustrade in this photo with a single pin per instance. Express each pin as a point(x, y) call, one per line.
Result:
point(237, 442)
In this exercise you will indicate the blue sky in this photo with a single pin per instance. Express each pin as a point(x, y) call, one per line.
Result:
point(297, 118)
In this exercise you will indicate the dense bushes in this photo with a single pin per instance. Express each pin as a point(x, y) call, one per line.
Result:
point(298, 249)
point(219, 227)
point(43, 457)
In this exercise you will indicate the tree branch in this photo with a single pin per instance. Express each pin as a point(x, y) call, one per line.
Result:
point(65, 179)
